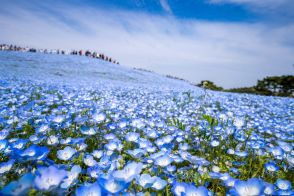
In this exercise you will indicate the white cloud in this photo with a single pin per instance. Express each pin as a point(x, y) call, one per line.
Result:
point(253, 2)
point(164, 4)
point(230, 54)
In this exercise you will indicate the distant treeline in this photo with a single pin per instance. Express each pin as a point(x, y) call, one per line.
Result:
point(269, 86)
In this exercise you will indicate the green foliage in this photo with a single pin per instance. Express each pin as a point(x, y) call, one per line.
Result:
point(209, 85)
point(269, 86)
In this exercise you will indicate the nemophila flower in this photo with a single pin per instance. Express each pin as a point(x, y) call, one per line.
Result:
point(20, 187)
point(111, 126)
point(3, 134)
point(81, 146)
point(137, 153)
point(171, 168)
point(111, 146)
point(99, 117)
point(33, 152)
point(231, 151)
point(152, 134)
point(289, 158)
point(89, 190)
point(95, 171)
point(58, 119)
point(97, 154)
point(42, 129)
point(71, 177)
point(251, 187)
point(146, 181)
point(48, 178)
point(283, 184)
point(3, 145)
point(168, 139)
point(277, 151)
point(284, 192)
point(138, 123)
point(159, 184)
point(285, 146)
point(109, 136)
point(132, 136)
point(230, 182)
point(112, 186)
point(19, 144)
point(86, 130)
point(179, 188)
point(89, 161)
point(269, 188)
point(193, 190)
point(66, 153)
point(104, 162)
point(129, 172)
point(6, 166)
point(238, 122)
point(52, 140)
point(241, 153)
point(215, 168)
point(180, 139)
point(272, 167)
point(214, 175)
point(36, 139)
point(65, 141)
point(235, 171)
point(163, 161)
point(122, 124)
point(214, 143)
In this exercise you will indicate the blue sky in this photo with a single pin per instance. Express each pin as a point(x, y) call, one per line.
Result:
point(231, 42)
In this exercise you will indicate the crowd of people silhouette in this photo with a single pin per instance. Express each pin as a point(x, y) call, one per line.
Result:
point(88, 53)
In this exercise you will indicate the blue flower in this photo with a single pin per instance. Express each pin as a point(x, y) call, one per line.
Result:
point(87, 130)
point(3, 134)
point(89, 160)
point(71, 177)
point(159, 184)
point(32, 153)
point(272, 167)
point(277, 151)
point(179, 188)
point(52, 140)
point(3, 145)
point(283, 184)
point(58, 119)
point(163, 161)
point(6, 166)
point(49, 177)
point(241, 154)
point(230, 182)
point(132, 136)
point(97, 154)
point(95, 171)
point(89, 189)
point(20, 187)
point(214, 143)
point(137, 153)
point(193, 190)
point(251, 187)
point(129, 172)
point(112, 186)
point(66, 153)
point(146, 181)
point(269, 188)
point(99, 117)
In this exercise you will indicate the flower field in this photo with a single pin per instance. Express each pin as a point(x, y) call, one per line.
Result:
point(129, 132)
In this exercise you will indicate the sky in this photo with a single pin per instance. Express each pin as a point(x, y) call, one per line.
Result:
point(230, 42)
